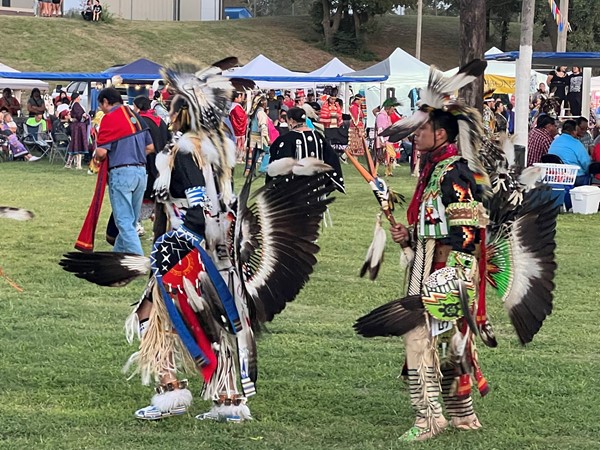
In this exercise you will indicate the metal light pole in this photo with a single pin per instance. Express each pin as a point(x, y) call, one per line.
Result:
point(419, 29)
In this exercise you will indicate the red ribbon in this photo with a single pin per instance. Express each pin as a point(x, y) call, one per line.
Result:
point(85, 240)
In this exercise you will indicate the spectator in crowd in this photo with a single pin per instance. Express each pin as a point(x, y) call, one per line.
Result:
point(63, 107)
point(239, 123)
point(540, 138)
point(571, 151)
point(331, 113)
point(160, 139)
point(87, 13)
point(273, 105)
point(97, 11)
point(159, 106)
point(539, 94)
point(574, 95)
point(46, 8)
point(510, 118)
point(500, 119)
point(125, 141)
point(36, 104)
point(9, 129)
point(284, 107)
point(78, 128)
point(558, 81)
point(489, 121)
point(288, 101)
point(356, 133)
point(9, 103)
point(259, 131)
point(62, 95)
point(583, 134)
point(56, 8)
point(282, 123)
point(386, 153)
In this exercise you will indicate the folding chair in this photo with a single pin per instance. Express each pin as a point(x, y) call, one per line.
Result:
point(61, 146)
point(39, 141)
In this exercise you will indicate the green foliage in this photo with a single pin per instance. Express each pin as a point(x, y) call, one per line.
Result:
point(320, 386)
point(107, 15)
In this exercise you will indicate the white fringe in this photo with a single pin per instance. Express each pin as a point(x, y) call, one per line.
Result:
point(407, 256)
point(172, 399)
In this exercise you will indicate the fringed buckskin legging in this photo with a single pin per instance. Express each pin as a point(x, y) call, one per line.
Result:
point(425, 379)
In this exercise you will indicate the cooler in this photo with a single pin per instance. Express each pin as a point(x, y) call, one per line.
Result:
point(585, 199)
point(561, 177)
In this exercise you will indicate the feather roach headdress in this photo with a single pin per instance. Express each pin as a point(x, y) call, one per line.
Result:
point(440, 95)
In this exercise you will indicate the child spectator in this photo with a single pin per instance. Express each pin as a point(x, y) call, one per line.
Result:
point(87, 12)
point(9, 128)
point(97, 11)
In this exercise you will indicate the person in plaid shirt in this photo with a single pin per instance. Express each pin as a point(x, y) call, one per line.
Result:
point(540, 138)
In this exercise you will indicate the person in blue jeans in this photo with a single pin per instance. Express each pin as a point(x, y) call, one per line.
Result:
point(125, 140)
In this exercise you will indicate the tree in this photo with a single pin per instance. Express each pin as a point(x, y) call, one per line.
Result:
point(472, 46)
point(345, 20)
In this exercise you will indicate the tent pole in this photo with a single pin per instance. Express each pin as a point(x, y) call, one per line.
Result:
point(586, 92)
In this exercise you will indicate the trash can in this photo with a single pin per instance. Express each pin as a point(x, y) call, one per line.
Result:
point(585, 199)
point(520, 156)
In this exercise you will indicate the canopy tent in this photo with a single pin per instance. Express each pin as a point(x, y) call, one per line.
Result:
point(501, 75)
point(20, 83)
point(263, 71)
point(553, 59)
point(333, 68)
point(142, 70)
point(403, 71)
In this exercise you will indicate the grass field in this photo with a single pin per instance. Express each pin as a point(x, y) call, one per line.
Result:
point(320, 387)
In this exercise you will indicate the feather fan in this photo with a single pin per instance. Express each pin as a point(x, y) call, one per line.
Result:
point(7, 212)
point(106, 268)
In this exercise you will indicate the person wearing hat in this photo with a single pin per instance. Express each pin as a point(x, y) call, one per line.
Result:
point(259, 130)
point(384, 149)
point(78, 146)
point(330, 115)
point(302, 142)
point(356, 133)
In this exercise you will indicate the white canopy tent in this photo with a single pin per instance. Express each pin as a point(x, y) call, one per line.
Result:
point(262, 66)
point(333, 68)
point(404, 72)
point(18, 84)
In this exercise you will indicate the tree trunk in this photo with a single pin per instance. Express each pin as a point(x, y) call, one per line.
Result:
point(552, 30)
point(505, 32)
point(472, 46)
point(356, 18)
point(331, 24)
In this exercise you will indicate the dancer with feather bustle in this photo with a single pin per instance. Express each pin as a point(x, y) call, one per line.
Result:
point(467, 188)
point(222, 266)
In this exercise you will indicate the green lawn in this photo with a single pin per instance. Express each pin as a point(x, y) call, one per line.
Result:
point(320, 386)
